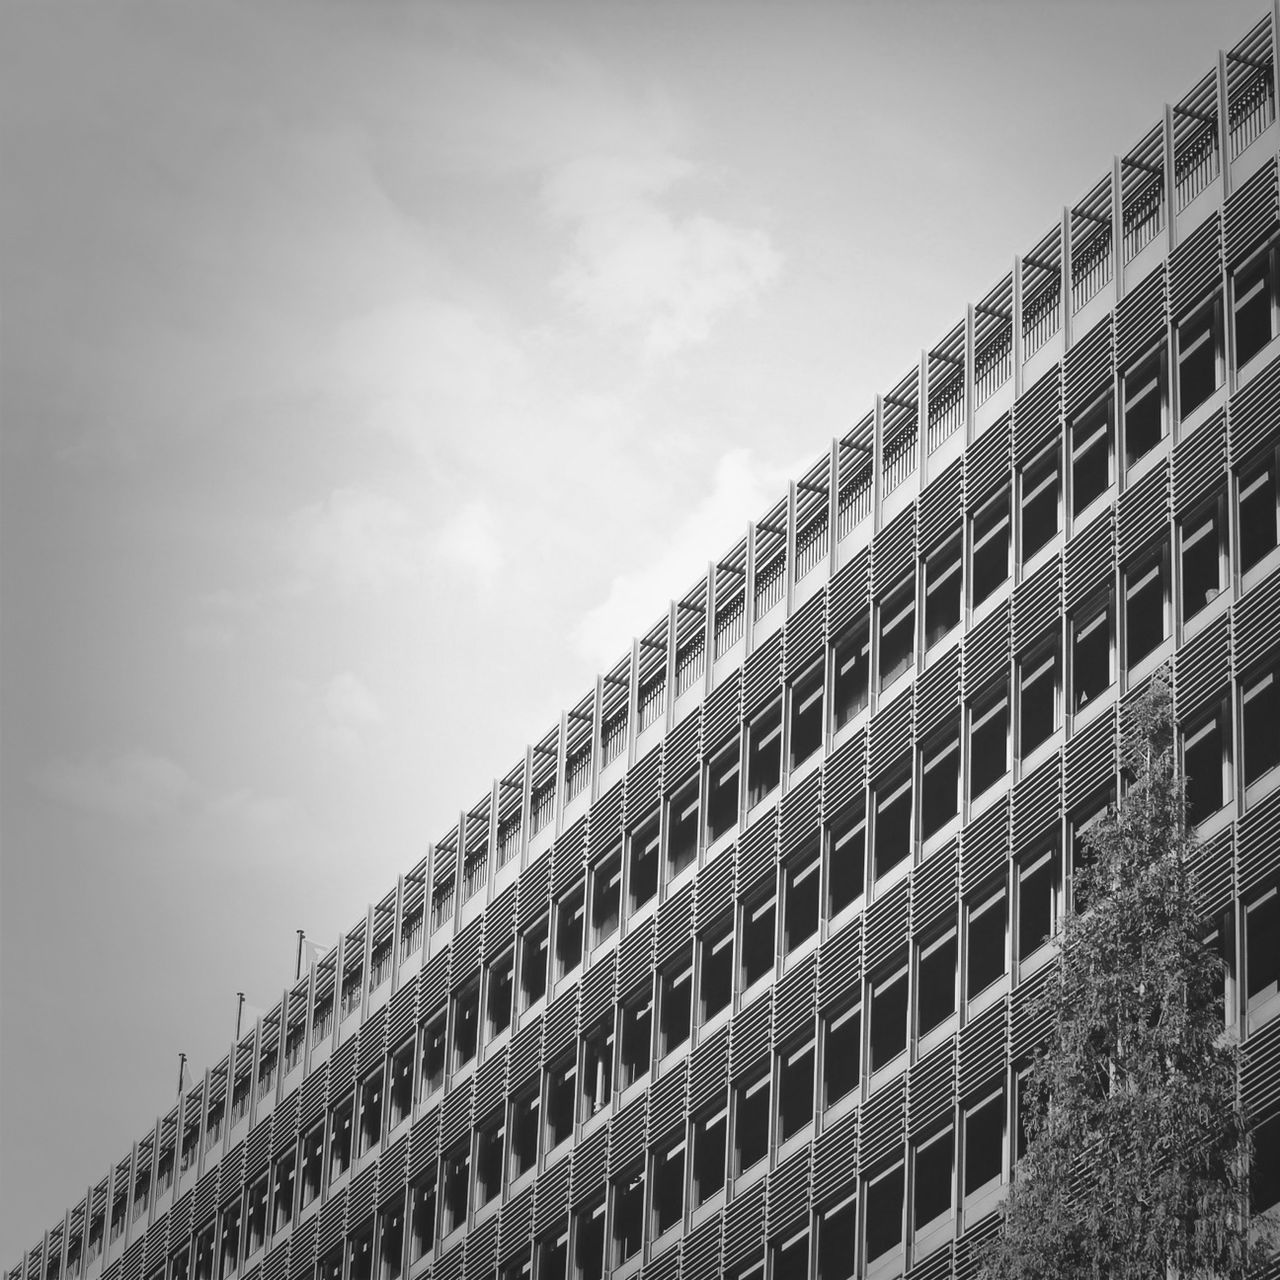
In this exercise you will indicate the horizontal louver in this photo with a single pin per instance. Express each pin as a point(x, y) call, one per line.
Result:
point(681, 751)
point(931, 1086)
point(391, 1171)
point(1030, 1018)
point(1201, 668)
point(1213, 869)
point(643, 782)
point(590, 1165)
point(302, 1249)
point(891, 733)
point(793, 1001)
point(883, 1126)
point(635, 956)
point(604, 824)
point(713, 891)
point(709, 1074)
point(1088, 367)
point(1036, 803)
point(845, 775)
point(934, 889)
point(982, 1046)
point(1037, 604)
point(515, 1225)
point(1258, 836)
point(756, 855)
point(364, 1190)
point(491, 1083)
point(700, 1251)
point(887, 924)
point(840, 964)
point(893, 552)
point(675, 924)
point(802, 642)
point(984, 845)
point(1143, 512)
point(787, 1203)
point(1195, 268)
point(941, 505)
point(743, 1220)
point(1090, 759)
point(749, 1037)
point(1037, 416)
point(568, 856)
point(1090, 559)
point(989, 464)
point(455, 1119)
point(1260, 1077)
point(1251, 213)
point(1254, 415)
point(551, 1199)
point(331, 1221)
point(1256, 622)
point(342, 1069)
point(835, 1159)
point(626, 1133)
point(482, 1250)
point(666, 1102)
point(799, 815)
point(1199, 463)
point(849, 592)
point(1140, 317)
point(761, 675)
point(938, 694)
point(986, 651)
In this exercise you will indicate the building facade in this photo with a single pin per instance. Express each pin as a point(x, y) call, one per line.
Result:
point(734, 973)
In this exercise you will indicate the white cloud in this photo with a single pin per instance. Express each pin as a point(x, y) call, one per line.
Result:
point(247, 807)
point(348, 701)
point(133, 786)
point(359, 539)
point(743, 487)
point(471, 542)
point(637, 265)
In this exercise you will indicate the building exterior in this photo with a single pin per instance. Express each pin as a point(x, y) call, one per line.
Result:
point(734, 972)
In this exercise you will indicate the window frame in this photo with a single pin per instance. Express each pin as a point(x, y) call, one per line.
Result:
point(1135, 578)
point(1098, 611)
point(804, 690)
point(1207, 520)
point(1207, 313)
point(1035, 476)
point(937, 577)
point(1265, 262)
point(1042, 660)
point(763, 747)
point(896, 614)
point(1090, 428)
point(985, 525)
point(990, 703)
point(1153, 368)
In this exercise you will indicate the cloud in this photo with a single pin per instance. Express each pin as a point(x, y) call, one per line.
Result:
point(470, 541)
point(359, 539)
point(635, 264)
point(248, 808)
point(743, 486)
point(348, 701)
point(134, 786)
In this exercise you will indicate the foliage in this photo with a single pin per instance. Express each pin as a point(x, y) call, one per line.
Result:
point(1137, 1156)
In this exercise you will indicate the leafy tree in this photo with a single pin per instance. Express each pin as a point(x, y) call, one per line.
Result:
point(1137, 1156)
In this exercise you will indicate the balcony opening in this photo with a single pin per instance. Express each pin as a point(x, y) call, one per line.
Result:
point(1200, 363)
point(888, 1017)
point(852, 675)
point(990, 548)
point(936, 982)
point(642, 864)
point(715, 976)
point(800, 877)
point(1091, 455)
point(1145, 399)
point(897, 634)
point(723, 775)
point(841, 1054)
point(986, 946)
point(846, 860)
point(1203, 558)
point(893, 843)
point(805, 700)
point(758, 939)
point(941, 592)
point(764, 754)
point(1040, 502)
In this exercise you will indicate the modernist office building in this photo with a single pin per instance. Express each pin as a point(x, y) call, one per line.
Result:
point(734, 972)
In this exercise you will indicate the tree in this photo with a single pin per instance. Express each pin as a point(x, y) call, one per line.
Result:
point(1137, 1154)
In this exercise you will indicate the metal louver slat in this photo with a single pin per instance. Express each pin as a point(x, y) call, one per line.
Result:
point(342, 1069)
point(1213, 871)
point(1260, 1077)
point(793, 1003)
point(391, 1170)
point(450, 1265)
point(257, 1148)
point(713, 891)
point(302, 1249)
point(971, 1248)
point(675, 921)
point(720, 716)
point(515, 1225)
point(626, 1133)
point(372, 1040)
point(1195, 267)
point(799, 818)
point(937, 1266)
point(1037, 603)
point(1199, 463)
point(757, 854)
point(887, 924)
point(666, 1102)
point(884, 1123)
point(891, 733)
point(845, 775)
point(1037, 416)
point(749, 1037)
point(499, 924)
point(560, 1023)
point(131, 1263)
point(802, 639)
point(787, 1197)
point(840, 964)
point(590, 1164)
point(938, 694)
point(935, 888)
point(709, 1073)
point(364, 1190)
point(849, 593)
point(1256, 622)
point(1140, 317)
point(568, 857)
point(643, 782)
point(1030, 1018)
point(275, 1266)
point(1251, 212)
point(491, 1082)
point(1036, 803)
point(984, 845)
point(982, 1045)
point(598, 988)
point(931, 1087)
point(604, 823)
point(742, 1221)
point(988, 464)
point(524, 1055)
point(835, 1159)
point(482, 1250)
point(1201, 667)
point(635, 957)
point(985, 651)
point(1258, 842)
point(700, 1251)
point(456, 1113)
point(434, 990)
point(332, 1216)
point(1143, 512)
point(180, 1217)
point(893, 552)
point(1089, 367)
point(941, 505)
point(681, 751)
point(205, 1202)
point(761, 676)
point(1253, 415)
point(1090, 759)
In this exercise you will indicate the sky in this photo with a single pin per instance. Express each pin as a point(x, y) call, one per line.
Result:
point(370, 374)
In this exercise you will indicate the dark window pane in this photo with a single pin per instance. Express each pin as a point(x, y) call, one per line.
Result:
point(1090, 458)
point(606, 896)
point(1203, 763)
point(893, 824)
point(1144, 414)
point(1257, 514)
point(675, 1007)
point(1039, 503)
point(668, 1188)
point(847, 855)
point(570, 917)
point(1038, 699)
point(562, 1088)
point(637, 1037)
point(757, 940)
point(1264, 1176)
point(1144, 609)
point(642, 869)
point(710, 1134)
point(837, 1251)
point(1261, 704)
point(884, 1214)
point(990, 548)
point(534, 949)
point(806, 716)
point(715, 980)
point(988, 744)
point(986, 944)
point(764, 754)
point(897, 636)
point(751, 1124)
point(941, 593)
point(984, 1144)
point(722, 792)
point(852, 674)
point(841, 1054)
point(795, 1090)
point(933, 1180)
point(940, 786)
point(1252, 290)
point(628, 1216)
point(1036, 904)
point(1199, 344)
point(1201, 561)
point(1262, 921)
point(791, 1258)
point(937, 982)
point(888, 1019)
point(1091, 657)
point(682, 828)
point(801, 889)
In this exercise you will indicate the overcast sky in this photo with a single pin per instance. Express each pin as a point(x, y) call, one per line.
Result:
point(371, 373)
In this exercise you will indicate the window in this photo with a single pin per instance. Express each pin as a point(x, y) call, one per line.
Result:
point(606, 895)
point(490, 1136)
point(597, 1066)
point(1146, 605)
point(1204, 556)
point(391, 1243)
point(940, 782)
point(804, 697)
point(715, 970)
point(1144, 397)
point(1200, 363)
point(1091, 667)
point(723, 773)
point(588, 1248)
point(1037, 901)
point(1260, 706)
point(682, 827)
point(466, 1024)
point(837, 1228)
point(764, 753)
point(570, 913)
point(312, 1160)
point(988, 741)
point(985, 949)
point(800, 897)
point(534, 948)
point(455, 1180)
point(360, 1257)
point(1206, 761)
point(501, 980)
point(675, 1003)
point(852, 674)
point(983, 1145)
point(562, 1090)
point(328, 1268)
point(204, 1249)
point(1038, 684)
point(1262, 949)
point(668, 1187)
point(990, 547)
point(1264, 1176)
point(888, 1016)
point(636, 1037)
point(932, 1171)
point(841, 1053)
point(710, 1132)
point(370, 1110)
point(884, 1213)
point(553, 1255)
point(642, 864)
point(846, 860)
point(433, 1054)
point(758, 929)
point(422, 1217)
point(282, 1181)
point(791, 1257)
point(897, 634)
point(229, 1251)
point(1090, 456)
point(893, 823)
point(628, 1215)
point(1084, 824)
point(795, 1088)
point(525, 1115)
point(1259, 512)
point(941, 592)
point(1039, 507)
point(750, 1123)
point(340, 1116)
point(1255, 305)
point(936, 982)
